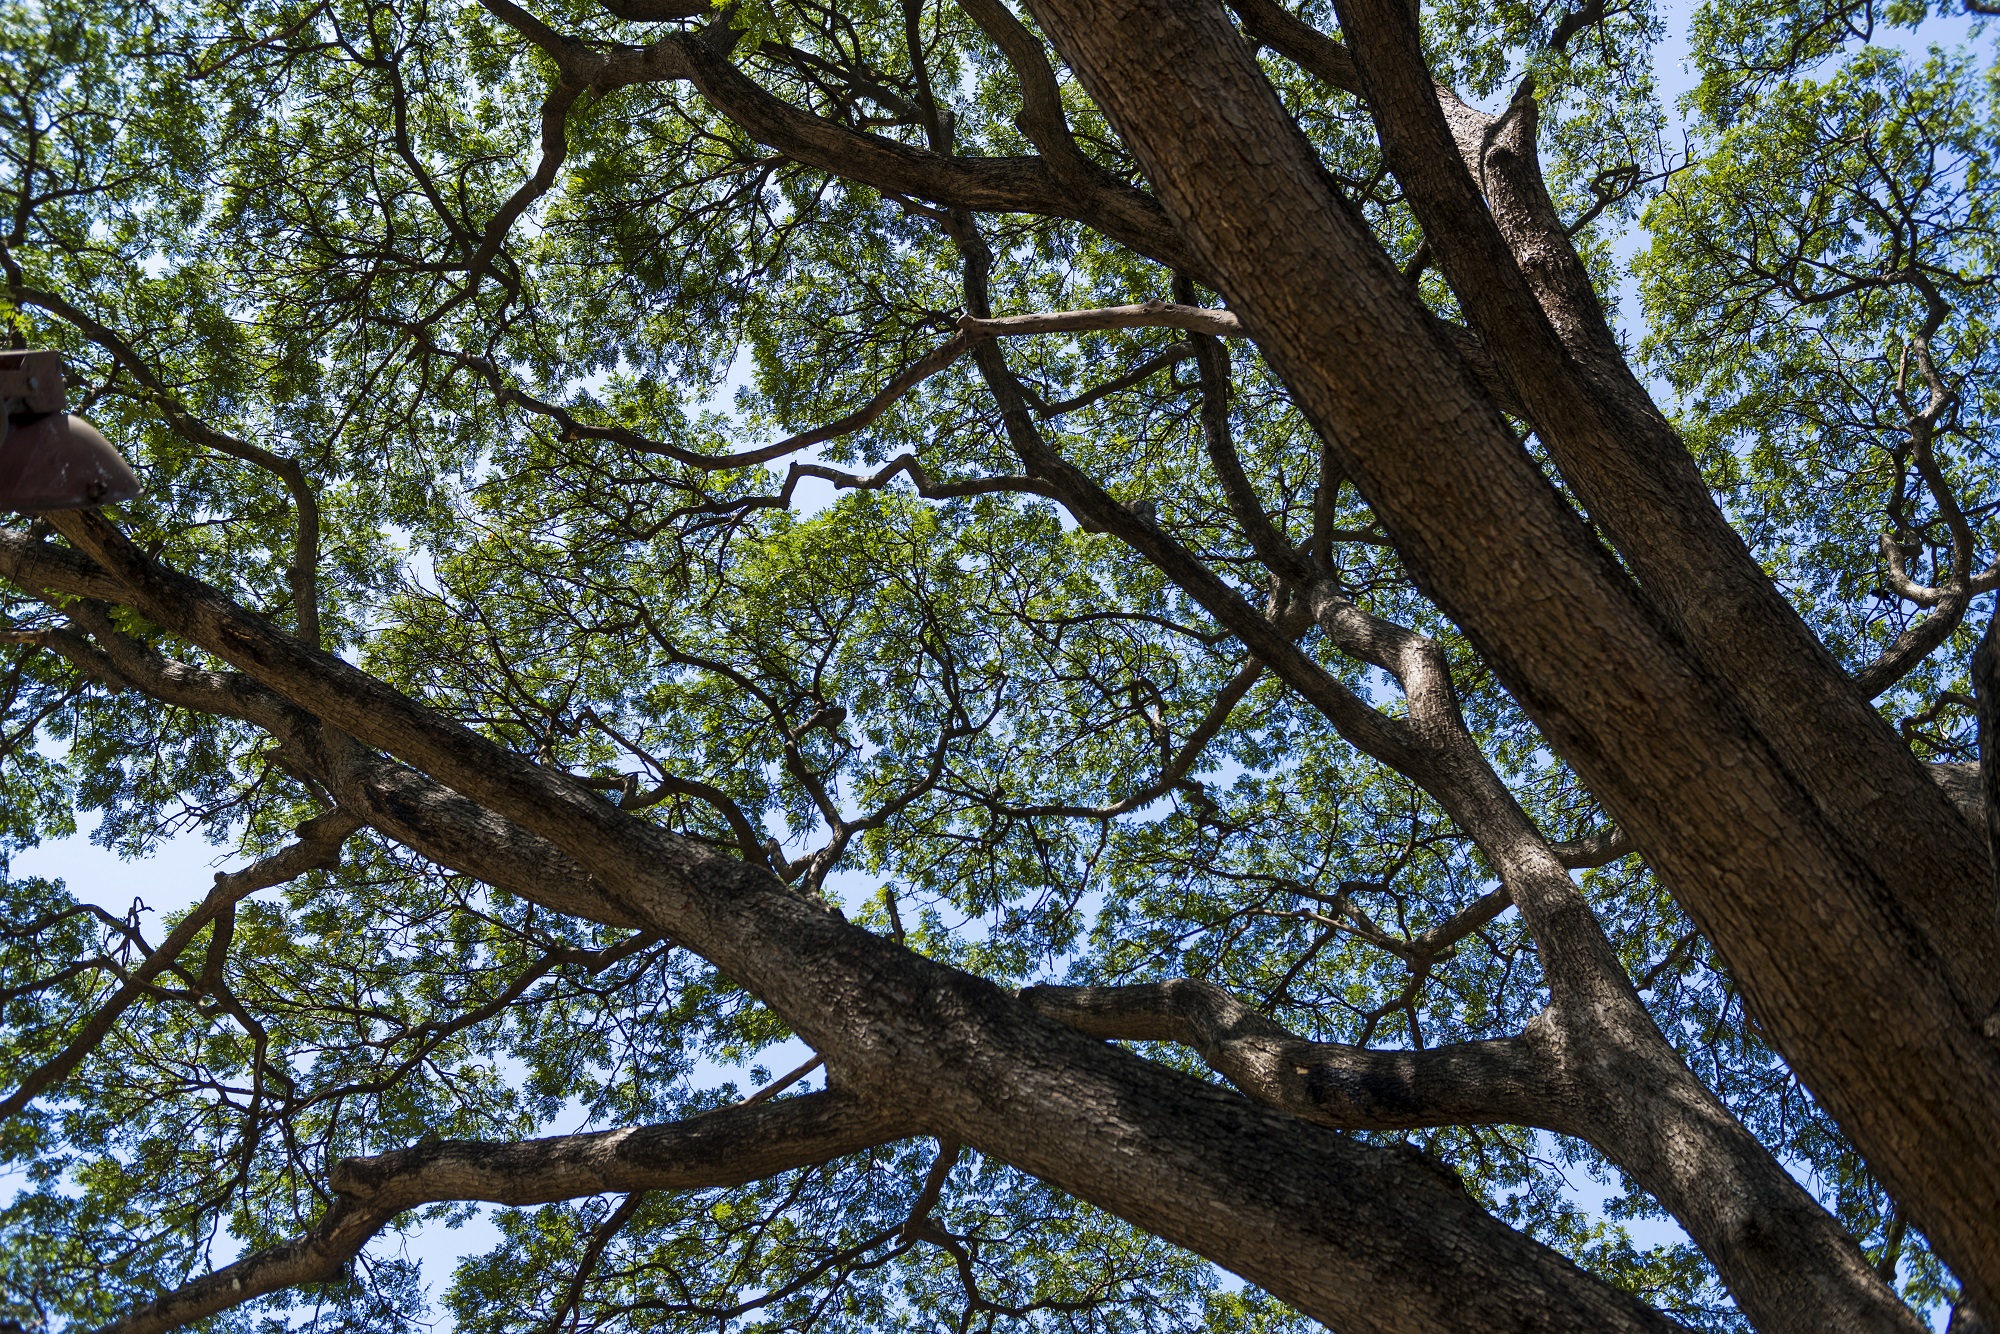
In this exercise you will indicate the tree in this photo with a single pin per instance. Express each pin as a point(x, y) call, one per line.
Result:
point(1195, 676)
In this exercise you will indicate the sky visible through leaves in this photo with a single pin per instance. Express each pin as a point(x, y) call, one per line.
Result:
point(177, 871)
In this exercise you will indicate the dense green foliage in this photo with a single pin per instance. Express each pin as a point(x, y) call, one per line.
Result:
point(288, 224)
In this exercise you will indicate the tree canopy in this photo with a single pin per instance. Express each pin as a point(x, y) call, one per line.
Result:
point(1112, 573)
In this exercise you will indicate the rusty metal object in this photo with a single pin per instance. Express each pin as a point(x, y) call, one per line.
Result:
point(51, 459)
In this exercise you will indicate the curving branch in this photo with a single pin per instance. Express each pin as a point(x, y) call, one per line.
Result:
point(1177, 767)
point(1510, 1081)
point(1005, 185)
point(1150, 315)
point(720, 1148)
point(906, 464)
point(1599, 849)
point(1949, 601)
point(317, 848)
point(1041, 118)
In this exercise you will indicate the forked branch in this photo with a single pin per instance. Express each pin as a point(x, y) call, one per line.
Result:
point(318, 846)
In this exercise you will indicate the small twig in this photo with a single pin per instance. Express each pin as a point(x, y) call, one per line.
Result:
point(600, 1238)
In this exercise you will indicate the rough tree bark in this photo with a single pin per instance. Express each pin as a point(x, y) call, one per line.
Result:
point(1857, 907)
point(1846, 956)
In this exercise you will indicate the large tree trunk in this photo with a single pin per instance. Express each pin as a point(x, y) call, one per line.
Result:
point(1873, 1010)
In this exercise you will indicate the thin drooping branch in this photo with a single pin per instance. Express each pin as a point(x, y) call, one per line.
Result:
point(721, 1148)
point(1505, 1081)
point(1149, 315)
point(937, 359)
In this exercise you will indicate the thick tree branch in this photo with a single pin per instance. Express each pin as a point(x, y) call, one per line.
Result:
point(1599, 849)
point(1272, 25)
point(1503, 248)
point(1510, 1081)
point(1663, 736)
point(721, 1148)
point(1041, 118)
point(1361, 1237)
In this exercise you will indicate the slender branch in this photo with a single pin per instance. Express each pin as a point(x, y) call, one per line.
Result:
point(933, 1187)
point(1176, 768)
point(1152, 314)
point(601, 1237)
point(783, 1082)
point(318, 848)
point(1175, 352)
